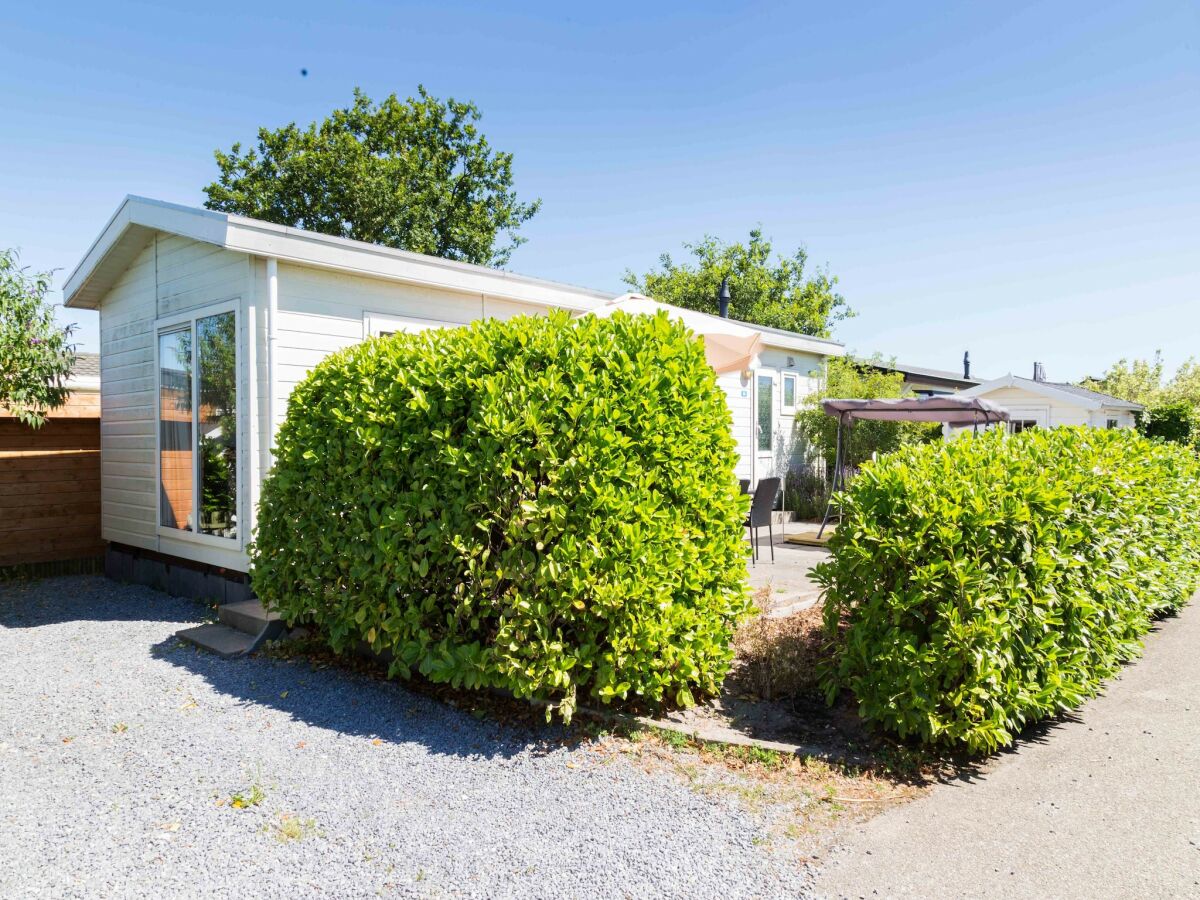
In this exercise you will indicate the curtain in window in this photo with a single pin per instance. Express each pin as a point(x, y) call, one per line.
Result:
point(175, 430)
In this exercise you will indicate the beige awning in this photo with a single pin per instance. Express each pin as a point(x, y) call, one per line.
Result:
point(729, 346)
point(731, 353)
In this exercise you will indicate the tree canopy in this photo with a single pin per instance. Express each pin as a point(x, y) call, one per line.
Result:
point(413, 174)
point(777, 293)
point(36, 356)
point(1172, 404)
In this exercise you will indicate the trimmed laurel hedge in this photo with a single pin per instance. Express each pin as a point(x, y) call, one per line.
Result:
point(543, 505)
point(993, 581)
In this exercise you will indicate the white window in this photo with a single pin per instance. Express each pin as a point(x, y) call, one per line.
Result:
point(382, 325)
point(1016, 426)
point(198, 460)
point(789, 393)
point(1112, 423)
point(765, 420)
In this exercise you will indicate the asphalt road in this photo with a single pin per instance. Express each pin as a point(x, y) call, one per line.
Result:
point(1105, 805)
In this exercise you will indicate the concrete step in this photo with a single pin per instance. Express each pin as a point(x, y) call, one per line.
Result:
point(248, 616)
point(219, 639)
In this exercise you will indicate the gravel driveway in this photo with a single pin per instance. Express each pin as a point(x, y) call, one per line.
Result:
point(123, 756)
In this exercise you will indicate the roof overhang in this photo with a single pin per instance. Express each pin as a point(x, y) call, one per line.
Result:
point(738, 333)
point(138, 219)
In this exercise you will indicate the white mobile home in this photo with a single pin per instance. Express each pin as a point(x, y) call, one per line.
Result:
point(1038, 403)
point(208, 320)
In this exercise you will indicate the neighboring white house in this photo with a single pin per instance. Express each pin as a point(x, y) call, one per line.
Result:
point(208, 320)
point(1037, 403)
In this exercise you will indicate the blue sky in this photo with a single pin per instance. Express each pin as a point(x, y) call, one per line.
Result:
point(1021, 180)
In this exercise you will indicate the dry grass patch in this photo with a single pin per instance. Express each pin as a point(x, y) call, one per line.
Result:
point(780, 658)
point(799, 798)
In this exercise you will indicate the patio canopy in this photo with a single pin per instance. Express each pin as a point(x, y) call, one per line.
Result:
point(950, 408)
point(729, 346)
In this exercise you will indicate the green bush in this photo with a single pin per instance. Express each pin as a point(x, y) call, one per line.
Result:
point(1176, 422)
point(543, 505)
point(993, 581)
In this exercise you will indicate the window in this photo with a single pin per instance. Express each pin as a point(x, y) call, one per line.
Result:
point(1016, 426)
point(787, 401)
point(197, 426)
point(1112, 423)
point(765, 420)
point(382, 325)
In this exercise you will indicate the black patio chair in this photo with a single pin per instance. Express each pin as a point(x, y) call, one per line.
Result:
point(745, 485)
point(760, 514)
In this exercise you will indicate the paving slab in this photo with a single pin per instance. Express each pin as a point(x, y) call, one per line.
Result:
point(788, 580)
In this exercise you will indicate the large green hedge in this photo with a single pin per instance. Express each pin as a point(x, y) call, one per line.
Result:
point(543, 505)
point(993, 581)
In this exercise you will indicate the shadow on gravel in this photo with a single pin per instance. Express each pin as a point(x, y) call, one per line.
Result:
point(34, 602)
point(363, 705)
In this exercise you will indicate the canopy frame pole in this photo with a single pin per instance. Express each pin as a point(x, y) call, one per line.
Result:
point(838, 479)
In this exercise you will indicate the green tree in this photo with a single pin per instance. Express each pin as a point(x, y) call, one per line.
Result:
point(1139, 381)
point(36, 356)
point(1174, 421)
point(1171, 403)
point(778, 294)
point(413, 174)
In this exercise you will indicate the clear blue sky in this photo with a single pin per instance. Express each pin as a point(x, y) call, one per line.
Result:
point(1022, 180)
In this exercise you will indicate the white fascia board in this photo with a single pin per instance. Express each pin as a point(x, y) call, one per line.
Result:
point(310, 248)
point(108, 236)
point(803, 344)
point(145, 216)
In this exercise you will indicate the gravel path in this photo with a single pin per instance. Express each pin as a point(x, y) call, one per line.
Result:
point(121, 750)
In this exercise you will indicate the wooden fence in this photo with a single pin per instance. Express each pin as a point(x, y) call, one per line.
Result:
point(50, 490)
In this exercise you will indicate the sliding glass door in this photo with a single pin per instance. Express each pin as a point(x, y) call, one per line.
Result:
point(197, 426)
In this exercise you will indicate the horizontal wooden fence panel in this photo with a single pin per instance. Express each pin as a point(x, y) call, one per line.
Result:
point(49, 491)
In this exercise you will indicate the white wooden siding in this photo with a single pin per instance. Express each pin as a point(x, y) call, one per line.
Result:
point(738, 396)
point(321, 312)
point(170, 275)
point(128, 492)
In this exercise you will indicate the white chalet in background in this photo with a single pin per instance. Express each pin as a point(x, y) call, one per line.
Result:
point(208, 320)
point(1037, 403)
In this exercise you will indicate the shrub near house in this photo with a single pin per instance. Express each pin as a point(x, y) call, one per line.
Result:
point(992, 582)
point(543, 505)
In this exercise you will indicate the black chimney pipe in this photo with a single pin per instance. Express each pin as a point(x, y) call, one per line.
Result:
point(967, 364)
point(723, 298)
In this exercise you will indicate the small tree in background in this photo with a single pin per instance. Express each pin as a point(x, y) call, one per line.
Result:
point(1172, 405)
point(777, 294)
point(871, 380)
point(36, 356)
point(414, 174)
point(1176, 422)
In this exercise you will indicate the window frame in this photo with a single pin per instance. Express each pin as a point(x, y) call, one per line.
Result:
point(784, 408)
point(377, 323)
point(770, 448)
point(186, 321)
